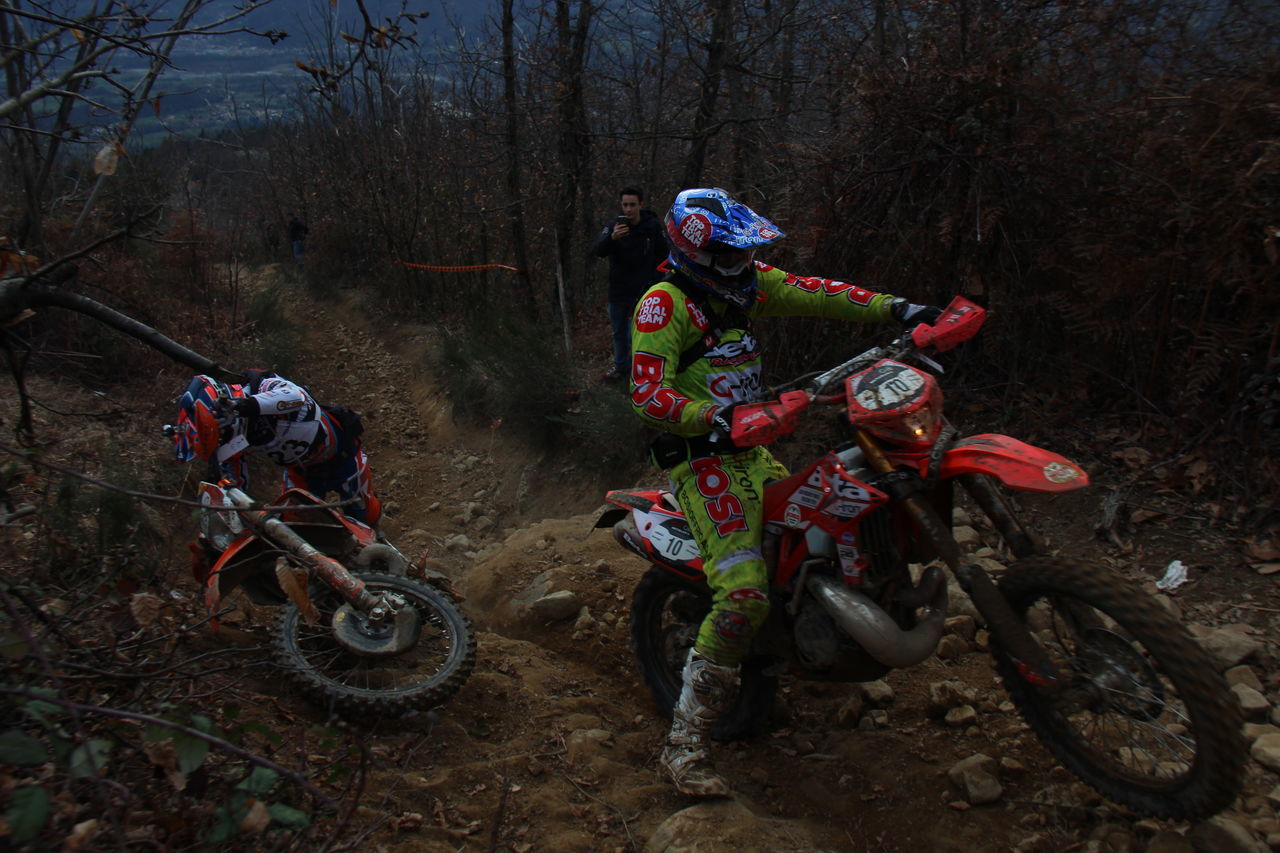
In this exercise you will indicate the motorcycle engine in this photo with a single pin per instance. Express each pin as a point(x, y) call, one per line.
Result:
point(816, 636)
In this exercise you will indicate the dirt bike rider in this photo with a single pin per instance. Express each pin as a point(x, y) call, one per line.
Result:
point(694, 358)
point(319, 446)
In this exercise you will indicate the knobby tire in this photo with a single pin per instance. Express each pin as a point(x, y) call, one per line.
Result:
point(666, 611)
point(1147, 720)
point(422, 677)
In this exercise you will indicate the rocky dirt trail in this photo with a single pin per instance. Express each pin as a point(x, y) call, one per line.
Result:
point(551, 744)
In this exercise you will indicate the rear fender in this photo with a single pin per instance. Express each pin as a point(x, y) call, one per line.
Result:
point(635, 499)
point(233, 566)
point(625, 501)
point(1014, 463)
point(647, 523)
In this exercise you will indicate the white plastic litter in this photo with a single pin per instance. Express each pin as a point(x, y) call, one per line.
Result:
point(1175, 575)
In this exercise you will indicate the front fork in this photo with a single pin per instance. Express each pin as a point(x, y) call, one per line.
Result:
point(992, 502)
point(1009, 630)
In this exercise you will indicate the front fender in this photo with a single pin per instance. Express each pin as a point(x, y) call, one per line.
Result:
point(233, 565)
point(1014, 463)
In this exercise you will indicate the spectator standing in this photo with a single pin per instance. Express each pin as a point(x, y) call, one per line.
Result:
point(635, 245)
point(297, 237)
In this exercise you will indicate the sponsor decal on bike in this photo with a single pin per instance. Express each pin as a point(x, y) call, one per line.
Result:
point(846, 509)
point(669, 538)
point(852, 563)
point(791, 516)
point(1056, 472)
point(852, 498)
point(655, 312)
point(722, 506)
point(808, 495)
point(232, 447)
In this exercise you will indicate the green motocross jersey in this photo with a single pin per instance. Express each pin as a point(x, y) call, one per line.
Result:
point(668, 325)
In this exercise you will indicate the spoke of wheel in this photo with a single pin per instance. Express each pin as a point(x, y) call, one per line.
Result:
point(1107, 730)
point(1173, 742)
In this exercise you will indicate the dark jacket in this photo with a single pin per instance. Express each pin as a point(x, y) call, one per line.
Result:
point(634, 259)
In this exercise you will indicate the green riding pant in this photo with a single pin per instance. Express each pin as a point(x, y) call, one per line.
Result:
point(723, 500)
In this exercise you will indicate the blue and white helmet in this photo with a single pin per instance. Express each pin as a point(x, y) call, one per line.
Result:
point(713, 241)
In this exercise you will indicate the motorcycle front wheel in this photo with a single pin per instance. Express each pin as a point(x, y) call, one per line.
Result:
point(1144, 717)
point(421, 677)
point(666, 612)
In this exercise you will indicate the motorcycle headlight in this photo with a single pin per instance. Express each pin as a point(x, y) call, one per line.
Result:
point(922, 424)
point(896, 402)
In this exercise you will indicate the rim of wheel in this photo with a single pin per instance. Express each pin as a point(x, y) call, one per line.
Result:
point(428, 663)
point(1120, 707)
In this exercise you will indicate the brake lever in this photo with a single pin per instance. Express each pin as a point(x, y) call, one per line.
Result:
point(933, 365)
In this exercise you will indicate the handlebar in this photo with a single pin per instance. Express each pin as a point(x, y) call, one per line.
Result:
point(960, 321)
point(761, 423)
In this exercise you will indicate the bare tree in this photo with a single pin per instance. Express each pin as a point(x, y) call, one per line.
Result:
point(573, 148)
point(67, 62)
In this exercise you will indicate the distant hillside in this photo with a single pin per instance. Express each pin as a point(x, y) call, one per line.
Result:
point(300, 18)
point(241, 78)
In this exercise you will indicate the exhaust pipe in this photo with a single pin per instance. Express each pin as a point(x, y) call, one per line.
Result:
point(864, 620)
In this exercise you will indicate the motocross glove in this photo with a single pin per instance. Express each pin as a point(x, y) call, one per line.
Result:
point(722, 422)
point(245, 406)
point(909, 314)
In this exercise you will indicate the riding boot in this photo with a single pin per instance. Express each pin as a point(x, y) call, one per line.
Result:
point(708, 691)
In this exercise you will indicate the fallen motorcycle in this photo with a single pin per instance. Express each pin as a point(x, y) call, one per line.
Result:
point(355, 632)
point(1112, 684)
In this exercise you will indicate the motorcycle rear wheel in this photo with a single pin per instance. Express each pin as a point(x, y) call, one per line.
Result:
point(422, 677)
point(1146, 718)
point(666, 612)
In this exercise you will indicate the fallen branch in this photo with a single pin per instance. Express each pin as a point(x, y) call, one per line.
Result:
point(147, 496)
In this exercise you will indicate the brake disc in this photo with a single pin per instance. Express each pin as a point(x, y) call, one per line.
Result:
point(359, 634)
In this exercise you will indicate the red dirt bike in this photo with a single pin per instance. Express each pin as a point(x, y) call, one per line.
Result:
point(1115, 687)
point(354, 631)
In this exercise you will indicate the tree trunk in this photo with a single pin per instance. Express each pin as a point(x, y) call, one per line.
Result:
point(515, 191)
point(704, 118)
point(572, 142)
point(18, 295)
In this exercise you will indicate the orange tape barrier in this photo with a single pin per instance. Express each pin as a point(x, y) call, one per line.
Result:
point(471, 268)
